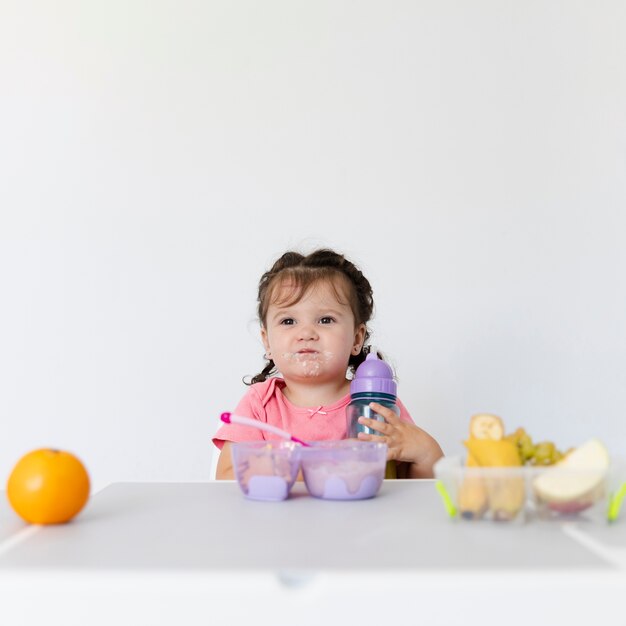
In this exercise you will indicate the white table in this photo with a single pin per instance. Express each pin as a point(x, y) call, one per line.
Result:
point(176, 553)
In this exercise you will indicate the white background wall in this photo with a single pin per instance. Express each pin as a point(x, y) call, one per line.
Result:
point(155, 157)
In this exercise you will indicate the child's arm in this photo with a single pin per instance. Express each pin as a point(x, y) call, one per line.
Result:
point(225, 469)
point(406, 442)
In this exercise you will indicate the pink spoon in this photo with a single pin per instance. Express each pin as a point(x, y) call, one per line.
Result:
point(229, 418)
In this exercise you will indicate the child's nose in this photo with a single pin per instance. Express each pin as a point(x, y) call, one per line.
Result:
point(308, 332)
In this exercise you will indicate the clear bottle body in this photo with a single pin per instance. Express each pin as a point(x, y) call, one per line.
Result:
point(360, 406)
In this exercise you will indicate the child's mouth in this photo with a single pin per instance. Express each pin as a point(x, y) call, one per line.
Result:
point(309, 361)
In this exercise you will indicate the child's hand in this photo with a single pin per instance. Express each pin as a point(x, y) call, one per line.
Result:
point(405, 441)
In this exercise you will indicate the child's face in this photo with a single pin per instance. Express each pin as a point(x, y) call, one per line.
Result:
point(312, 339)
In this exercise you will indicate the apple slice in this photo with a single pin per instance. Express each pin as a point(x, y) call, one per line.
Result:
point(577, 481)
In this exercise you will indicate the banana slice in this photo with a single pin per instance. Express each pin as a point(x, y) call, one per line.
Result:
point(486, 426)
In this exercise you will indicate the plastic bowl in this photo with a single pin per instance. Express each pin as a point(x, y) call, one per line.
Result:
point(344, 470)
point(266, 470)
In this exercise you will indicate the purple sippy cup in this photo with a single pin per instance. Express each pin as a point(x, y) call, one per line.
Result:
point(373, 382)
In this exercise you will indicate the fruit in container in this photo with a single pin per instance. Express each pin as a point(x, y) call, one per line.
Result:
point(486, 426)
point(577, 481)
point(542, 453)
point(493, 453)
point(546, 454)
point(524, 444)
point(507, 495)
point(506, 492)
point(472, 497)
point(563, 482)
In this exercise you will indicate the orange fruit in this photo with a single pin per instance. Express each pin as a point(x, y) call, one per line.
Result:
point(48, 486)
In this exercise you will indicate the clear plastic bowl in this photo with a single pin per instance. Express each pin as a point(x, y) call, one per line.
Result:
point(344, 470)
point(266, 470)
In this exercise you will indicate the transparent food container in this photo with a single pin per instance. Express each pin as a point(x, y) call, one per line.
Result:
point(344, 470)
point(266, 470)
point(519, 494)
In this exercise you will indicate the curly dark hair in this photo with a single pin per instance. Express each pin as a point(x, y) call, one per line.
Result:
point(302, 271)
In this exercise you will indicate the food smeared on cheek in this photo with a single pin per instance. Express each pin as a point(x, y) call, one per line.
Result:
point(309, 362)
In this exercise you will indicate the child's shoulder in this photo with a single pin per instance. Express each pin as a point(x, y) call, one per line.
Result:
point(264, 391)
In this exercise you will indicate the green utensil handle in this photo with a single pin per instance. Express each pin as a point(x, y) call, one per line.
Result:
point(447, 500)
point(615, 503)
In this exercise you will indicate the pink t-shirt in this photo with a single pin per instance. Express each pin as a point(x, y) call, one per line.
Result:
point(265, 401)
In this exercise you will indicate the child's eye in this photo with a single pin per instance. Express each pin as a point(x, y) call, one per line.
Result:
point(287, 321)
point(327, 320)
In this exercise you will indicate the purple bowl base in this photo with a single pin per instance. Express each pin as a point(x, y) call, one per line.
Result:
point(336, 489)
point(268, 488)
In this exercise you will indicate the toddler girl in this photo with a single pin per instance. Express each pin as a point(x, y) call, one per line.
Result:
point(313, 312)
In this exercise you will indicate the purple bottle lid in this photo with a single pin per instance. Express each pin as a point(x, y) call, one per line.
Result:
point(374, 376)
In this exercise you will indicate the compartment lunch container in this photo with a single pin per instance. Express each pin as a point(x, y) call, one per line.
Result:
point(519, 494)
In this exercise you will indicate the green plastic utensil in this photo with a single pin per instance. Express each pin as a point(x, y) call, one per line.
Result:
point(615, 503)
point(447, 500)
